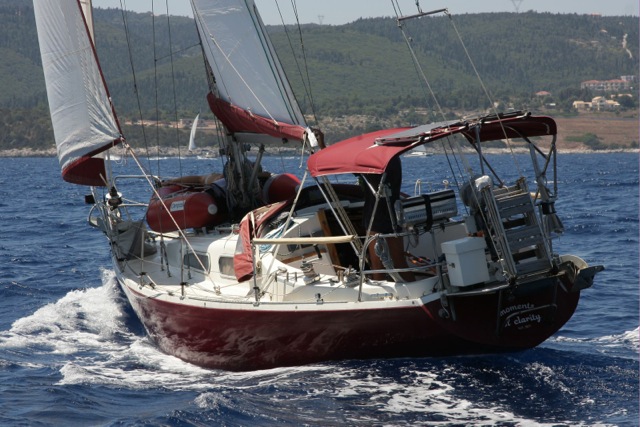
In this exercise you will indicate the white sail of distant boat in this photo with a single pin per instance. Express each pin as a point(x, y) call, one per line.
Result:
point(418, 152)
point(192, 136)
point(84, 123)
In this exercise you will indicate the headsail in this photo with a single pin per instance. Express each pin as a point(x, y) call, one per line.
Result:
point(84, 123)
point(251, 93)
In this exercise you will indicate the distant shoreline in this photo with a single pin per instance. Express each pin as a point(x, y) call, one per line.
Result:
point(173, 152)
point(610, 129)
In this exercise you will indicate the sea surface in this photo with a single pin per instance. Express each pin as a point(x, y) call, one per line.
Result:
point(73, 354)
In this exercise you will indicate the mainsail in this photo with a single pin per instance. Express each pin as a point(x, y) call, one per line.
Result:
point(84, 123)
point(250, 93)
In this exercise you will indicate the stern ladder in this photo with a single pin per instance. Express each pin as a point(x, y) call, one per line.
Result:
point(515, 229)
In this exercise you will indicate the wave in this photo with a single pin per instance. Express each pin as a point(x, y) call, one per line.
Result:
point(457, 391)
point(88, 338)
point(82, 320)
point(624, 345)
point(628, 340)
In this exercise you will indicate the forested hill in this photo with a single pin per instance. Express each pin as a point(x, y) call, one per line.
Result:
point(359, 68)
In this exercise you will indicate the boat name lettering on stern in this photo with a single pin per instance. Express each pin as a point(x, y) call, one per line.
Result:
point(519, 307)
point(523, 321)
point(520, 320)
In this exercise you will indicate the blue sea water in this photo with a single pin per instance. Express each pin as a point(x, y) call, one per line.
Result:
point(72, 352)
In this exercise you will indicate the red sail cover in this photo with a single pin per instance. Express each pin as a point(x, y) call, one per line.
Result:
point(251, 93)
point(250, 228)
point(86, 170)
point(370, 153)
point(236, 119)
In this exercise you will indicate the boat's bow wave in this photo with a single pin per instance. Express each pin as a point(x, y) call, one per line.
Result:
point(83, 320)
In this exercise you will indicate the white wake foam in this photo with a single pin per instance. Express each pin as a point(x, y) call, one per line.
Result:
point(84, 336)
point(630, 339)
point(625, 344)
point(82, 320)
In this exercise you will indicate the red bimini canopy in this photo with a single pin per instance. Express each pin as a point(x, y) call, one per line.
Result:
point(371, 152)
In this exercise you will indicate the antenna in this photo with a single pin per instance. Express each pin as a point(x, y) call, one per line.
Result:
point(320, 19)
point(517, 4)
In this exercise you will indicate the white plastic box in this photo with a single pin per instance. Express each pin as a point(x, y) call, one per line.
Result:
point(466, 261)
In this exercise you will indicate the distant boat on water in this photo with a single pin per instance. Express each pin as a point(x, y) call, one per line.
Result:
point(192, 135)
point(420, 151)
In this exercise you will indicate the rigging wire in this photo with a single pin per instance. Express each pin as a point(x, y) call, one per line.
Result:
point(486, 92)
point(424, 78)
point(155, 84)
point(426, 84)
point(306, 83)
point(416, 63)
point(453, 141)
point(123, 10)
point(173, 86)
point(220, 135)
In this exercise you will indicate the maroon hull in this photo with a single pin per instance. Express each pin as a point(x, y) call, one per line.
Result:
point(259, 339)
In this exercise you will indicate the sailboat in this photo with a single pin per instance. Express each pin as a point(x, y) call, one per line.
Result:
point(250, 270)
point(192, 134)
point(418, 152)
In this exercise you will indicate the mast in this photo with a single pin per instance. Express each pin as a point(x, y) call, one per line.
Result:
point(248, 91)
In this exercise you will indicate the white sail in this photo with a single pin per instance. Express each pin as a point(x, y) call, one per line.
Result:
point(250, 81)
point(192, 136)
point(84, 123)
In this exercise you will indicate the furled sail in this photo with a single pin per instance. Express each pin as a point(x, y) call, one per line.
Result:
point(84, 123)
point(251, 93)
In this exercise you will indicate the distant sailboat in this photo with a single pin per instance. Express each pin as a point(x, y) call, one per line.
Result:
point(420, 151)
point(248, 270)
point(192, 136)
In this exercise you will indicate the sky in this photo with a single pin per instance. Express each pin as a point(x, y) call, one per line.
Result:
point(337, 12)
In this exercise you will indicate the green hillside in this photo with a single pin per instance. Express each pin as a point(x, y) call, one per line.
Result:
point(360, 68)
